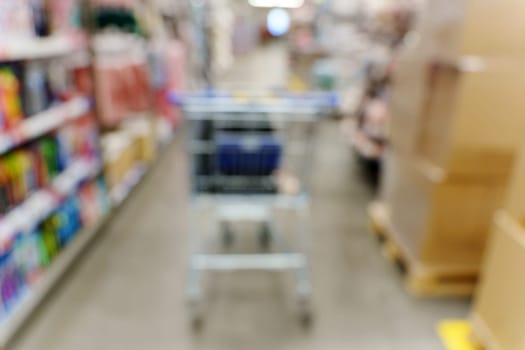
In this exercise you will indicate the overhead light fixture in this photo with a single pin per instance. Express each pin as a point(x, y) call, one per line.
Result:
point(290, 4)
point(278, 22)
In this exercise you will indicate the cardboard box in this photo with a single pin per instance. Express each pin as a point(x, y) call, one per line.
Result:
point(455, 28)
point(499, 307)
point(439, 222)
point(515, 200)
point(406, 102)
point(468, 119)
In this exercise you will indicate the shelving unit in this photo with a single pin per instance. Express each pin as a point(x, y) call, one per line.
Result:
point(44, 203)
point(40, 205)
point(39, 48)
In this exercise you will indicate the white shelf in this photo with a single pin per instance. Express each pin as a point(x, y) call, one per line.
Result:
point(41, 204)
point(121, 191)
point(43, 123)
point(33, 296)
point(38, 48)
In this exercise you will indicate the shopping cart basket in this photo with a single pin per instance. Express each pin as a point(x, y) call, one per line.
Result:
point(250, 156)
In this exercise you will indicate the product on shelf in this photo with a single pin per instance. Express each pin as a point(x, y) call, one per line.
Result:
point(10, 105)
point(122, 84)
point(120, 156)
point(65, 16)
point(15, 19)
point(142, 132)
point(11, 283)
point(24, 262)
point(40, 14)
point(116, 14)
point(38, 18)
point(30, 168)
point(94, 201)
point(37, 94)
point(30, 88)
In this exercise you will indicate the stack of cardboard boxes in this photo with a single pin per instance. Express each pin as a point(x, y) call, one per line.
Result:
point(458, 118)
point(499, 308)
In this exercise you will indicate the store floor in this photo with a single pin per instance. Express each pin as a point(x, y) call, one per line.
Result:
point(127, 290)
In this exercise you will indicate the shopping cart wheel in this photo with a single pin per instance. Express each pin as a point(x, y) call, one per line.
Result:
point(227, 235)
point(197, 322)
point(265, 236)
point(195, 315)
point(306, 318)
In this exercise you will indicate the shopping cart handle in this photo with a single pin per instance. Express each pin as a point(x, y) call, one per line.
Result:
point(326, 100)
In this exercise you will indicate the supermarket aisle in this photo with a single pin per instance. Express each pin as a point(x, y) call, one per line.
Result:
point(127, 292)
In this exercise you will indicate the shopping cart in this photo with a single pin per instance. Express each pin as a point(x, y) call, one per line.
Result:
point(251, 155)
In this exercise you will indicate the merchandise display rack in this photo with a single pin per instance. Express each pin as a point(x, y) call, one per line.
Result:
point(28, 217)
point(41, 204)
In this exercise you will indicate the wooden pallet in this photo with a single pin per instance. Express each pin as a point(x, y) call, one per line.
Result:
point(420, 280)
point(378, 219)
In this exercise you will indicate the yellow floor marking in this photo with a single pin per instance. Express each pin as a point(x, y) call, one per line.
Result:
point(457, 335)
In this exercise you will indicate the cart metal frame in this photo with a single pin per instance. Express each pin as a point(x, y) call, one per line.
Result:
point(284, 113)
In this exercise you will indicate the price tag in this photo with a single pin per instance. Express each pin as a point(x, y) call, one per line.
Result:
point(6, 229)
point(5, 143)
point(20, 217)
point(42, 205)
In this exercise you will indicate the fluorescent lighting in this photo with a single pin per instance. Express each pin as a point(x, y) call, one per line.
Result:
point(291, 4)
point(278, 22)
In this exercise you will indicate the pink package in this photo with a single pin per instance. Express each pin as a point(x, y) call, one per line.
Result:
point(122, 88)
point(138, 87)
point(110, 97)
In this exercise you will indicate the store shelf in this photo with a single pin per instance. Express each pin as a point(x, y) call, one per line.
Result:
point(33, 296)
point(41, 204)
point(38, 48)
point(43, 123)
point(121, 191)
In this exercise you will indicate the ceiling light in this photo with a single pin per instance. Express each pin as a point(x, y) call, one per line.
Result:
point(277, 3)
